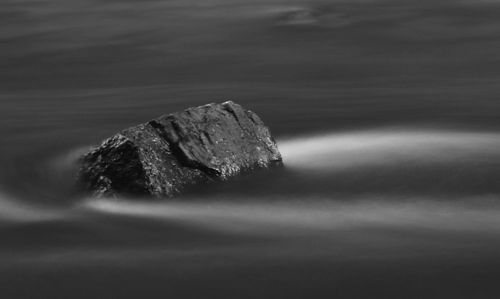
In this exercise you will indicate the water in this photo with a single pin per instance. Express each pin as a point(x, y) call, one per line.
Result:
point(386, 113)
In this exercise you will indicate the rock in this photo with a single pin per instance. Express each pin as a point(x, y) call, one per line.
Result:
point(164, 156)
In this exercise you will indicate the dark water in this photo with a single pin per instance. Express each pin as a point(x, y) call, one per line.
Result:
point(386, 113)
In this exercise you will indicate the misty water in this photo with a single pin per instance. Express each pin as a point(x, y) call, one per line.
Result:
point(386, 114)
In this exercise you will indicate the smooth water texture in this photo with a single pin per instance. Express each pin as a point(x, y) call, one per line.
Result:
point(386, 113)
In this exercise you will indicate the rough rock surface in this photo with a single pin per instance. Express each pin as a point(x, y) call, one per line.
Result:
point(162, 157)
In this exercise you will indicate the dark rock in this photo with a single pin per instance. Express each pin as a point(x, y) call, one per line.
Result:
point(162, 157)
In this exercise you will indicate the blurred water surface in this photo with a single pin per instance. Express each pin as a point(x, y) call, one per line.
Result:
point(386, 113)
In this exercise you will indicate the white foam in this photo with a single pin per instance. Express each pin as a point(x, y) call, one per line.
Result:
point(12, 210)
point(386, 146)
point(296, 215)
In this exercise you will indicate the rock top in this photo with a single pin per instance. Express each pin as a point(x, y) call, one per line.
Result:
point(162, 157)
